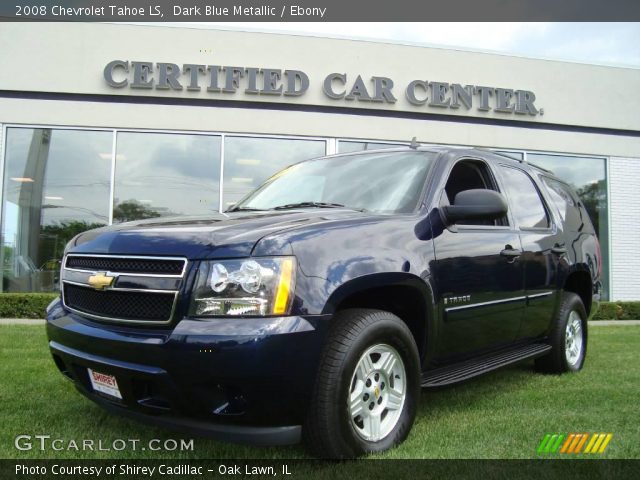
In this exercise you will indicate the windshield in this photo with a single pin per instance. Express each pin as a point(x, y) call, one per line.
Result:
point(378, 182)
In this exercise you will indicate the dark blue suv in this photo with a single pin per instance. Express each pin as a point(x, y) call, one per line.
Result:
point(320, 304)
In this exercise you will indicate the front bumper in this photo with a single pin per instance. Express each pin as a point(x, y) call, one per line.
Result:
point(245, 380)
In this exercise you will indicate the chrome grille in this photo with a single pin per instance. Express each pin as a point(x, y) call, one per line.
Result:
point(140, 290)
point(147, 266)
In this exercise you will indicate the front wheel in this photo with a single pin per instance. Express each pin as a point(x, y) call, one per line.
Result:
point(367, 388)
point(568, 337)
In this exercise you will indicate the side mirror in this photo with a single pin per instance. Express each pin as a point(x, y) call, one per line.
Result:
point(477, 204)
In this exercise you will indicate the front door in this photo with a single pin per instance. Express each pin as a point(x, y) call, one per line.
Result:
point(478, 273)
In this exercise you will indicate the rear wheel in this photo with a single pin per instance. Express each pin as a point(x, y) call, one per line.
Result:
point(367, 388)
point(568, 338)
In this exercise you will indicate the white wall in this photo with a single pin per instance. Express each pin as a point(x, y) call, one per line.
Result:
point(624, 202)
point(70, 57)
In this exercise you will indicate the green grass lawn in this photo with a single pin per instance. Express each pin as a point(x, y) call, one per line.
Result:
point(501, 415)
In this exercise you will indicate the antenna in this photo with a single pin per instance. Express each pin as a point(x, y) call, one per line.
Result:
point(414, 143)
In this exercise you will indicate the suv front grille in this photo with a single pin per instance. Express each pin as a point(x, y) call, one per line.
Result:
point(126, 289)
point(120, 305)
point(145, 266)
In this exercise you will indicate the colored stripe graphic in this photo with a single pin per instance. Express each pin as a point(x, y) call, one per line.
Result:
point(594, 437)
point(581, 444)
point(544, 443)
point(550, 443)
point(603, 447)
point(568, 442)
point(596, 446)
point(574, 443)
point(555, 448)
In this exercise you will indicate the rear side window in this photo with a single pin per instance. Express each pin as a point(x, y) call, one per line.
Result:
point(526, 204)
point(566, 202)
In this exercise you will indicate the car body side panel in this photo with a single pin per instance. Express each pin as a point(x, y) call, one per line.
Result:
point(330, 257)
point(480, 292)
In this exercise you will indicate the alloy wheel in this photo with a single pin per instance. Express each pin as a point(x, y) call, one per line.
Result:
point(378, 391)
point(573, 339)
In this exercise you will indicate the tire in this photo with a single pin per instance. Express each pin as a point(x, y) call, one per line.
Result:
point(570, 315)
point(336, 428)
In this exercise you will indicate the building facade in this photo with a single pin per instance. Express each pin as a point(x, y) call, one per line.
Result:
point(105, 123)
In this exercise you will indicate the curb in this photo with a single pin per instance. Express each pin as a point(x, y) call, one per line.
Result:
point(606, 323)
point(21, 321)
point(592, 323)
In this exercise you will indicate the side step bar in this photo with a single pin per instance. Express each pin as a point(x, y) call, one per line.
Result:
point(462, 371)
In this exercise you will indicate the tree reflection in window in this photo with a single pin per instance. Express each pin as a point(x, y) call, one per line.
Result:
point(56, 185)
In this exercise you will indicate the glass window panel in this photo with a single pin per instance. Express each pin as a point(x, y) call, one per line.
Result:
point(165, 174)
point(345, 146)
point(564, 201)
point(528, 208)
point(248, 162)
point(56, 185)
point(588, 177)
point(381, 182)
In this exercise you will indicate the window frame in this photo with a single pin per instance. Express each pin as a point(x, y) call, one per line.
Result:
point(114, 162)
point(4, 129)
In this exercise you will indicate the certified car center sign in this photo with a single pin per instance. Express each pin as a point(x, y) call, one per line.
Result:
point(223, 80)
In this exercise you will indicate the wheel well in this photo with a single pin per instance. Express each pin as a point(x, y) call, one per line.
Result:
point(405, 302)
point(580, 284)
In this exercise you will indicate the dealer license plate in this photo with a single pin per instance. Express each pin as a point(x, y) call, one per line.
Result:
point(103, 383)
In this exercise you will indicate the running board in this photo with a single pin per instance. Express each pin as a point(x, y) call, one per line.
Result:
point(471, 368)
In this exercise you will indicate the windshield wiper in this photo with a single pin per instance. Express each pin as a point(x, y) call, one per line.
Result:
point(245, 209)
point(308, 205)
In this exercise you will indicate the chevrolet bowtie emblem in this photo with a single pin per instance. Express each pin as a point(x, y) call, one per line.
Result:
point(100, 280)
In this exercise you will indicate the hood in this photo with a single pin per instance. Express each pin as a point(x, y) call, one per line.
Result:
point(219, 236)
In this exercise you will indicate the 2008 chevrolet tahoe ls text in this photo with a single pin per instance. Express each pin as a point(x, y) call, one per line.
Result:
point(320, 304)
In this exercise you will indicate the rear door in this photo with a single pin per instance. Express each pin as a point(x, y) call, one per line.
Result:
point(543, 248)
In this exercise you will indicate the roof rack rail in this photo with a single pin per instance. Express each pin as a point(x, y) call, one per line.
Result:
point(521, 160)
point(541, 168)
point(502, 154)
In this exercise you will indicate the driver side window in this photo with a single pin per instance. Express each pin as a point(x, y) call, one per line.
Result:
point(468, 175)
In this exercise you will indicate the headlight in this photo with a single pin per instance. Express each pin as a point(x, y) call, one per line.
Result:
point(249, 287)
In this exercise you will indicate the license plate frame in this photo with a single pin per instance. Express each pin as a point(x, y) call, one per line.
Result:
point(104, 384)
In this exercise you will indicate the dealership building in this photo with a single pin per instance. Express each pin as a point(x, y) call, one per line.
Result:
point(105, 123)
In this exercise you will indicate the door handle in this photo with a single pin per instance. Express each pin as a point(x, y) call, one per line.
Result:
point(510, 252)
point(559, 250)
